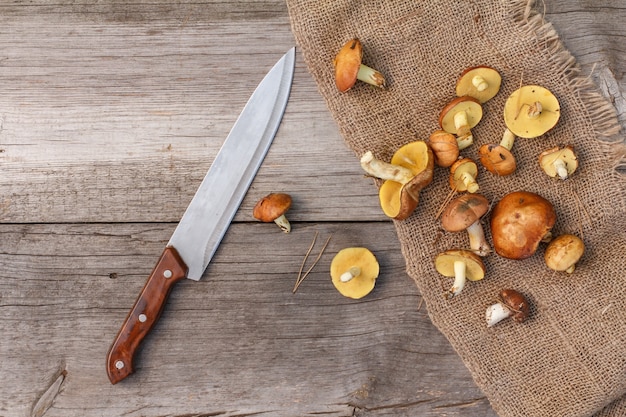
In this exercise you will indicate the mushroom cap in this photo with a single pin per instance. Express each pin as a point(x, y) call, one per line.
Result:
point(474, 267)
point(445, 147)
point(465, 85)
point(469, 105)
point(517, 303)
point(566, 154)
point(563, 252)
point(362, 284)
point(463, 211)
point(519, 221)
point(271, 207)
point(516, 116)
point(497, 159)
point(460, 167)
point(347, 63)
point(398, 201)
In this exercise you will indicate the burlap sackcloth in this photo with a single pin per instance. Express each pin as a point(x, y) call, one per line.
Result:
point(569, 358)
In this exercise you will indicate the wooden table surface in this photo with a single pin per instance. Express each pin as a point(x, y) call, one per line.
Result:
point(110, 115)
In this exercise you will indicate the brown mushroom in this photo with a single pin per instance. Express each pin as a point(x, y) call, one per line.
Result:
point(519, 222)
point(563, 252)
point(464, 213)
point(512, 304)
point(463, 175)
point(445, 148)
point(462, 265)
point(497, 158)
point(349, 68)
point(459, 116)
point(272, 208)
point(531, 111)
point(481, 82)
point(559, 162)
point(411, 169)
point(354, 272)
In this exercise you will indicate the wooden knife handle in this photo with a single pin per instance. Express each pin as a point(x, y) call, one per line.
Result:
point(144, 314)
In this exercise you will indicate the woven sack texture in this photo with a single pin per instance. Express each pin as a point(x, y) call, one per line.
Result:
point(569, 358)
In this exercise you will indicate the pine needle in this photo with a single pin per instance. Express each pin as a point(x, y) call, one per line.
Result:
point(301, 277)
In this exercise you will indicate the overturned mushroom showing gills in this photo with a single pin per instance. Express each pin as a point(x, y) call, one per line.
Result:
point(512, 304)
point(531, 111)
point(411, 169)
point(559, 162)
point(563, 252)
point(459, 116)
point(354, 272)
point(348, 68)
point(462, 265)
point(481, 82)
point(464, 213)
point(519, 222)
point(445, 148)
point(463, 175)
point(497, 158)
point(272, 208)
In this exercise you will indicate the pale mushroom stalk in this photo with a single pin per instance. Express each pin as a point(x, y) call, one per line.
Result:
point(508, 139)
point(384, 170)
point(464, 135)
point(283, 223)
point(511, 303)
point(351, 273)
point(477, 241)
point(496, 313)
point(459, 280)
point(370, 76)
point(561, 168)
point(480, 83)
point(470, 182)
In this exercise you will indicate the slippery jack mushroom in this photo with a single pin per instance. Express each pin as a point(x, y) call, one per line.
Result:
point(512, 304)
point(461, 265)
point(272, 208)
point(563, 252)
point(481, 82)
point(464, 213)
point(354, 272)
point(531, 111)
point(349, 68)
point(559, 162)
point(445, 148)
point(519, 222)
point(497, 158)
point(459, 116)
point(463, 175)
point(411, 169)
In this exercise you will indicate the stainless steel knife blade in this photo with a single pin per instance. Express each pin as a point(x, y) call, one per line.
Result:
point(208, 216)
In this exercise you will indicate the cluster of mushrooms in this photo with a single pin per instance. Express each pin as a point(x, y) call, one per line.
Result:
point(519, 222)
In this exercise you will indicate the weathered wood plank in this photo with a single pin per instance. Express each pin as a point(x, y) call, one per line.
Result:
point(237, 342)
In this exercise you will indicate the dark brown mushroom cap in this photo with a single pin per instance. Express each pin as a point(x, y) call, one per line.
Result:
point(517, 303)
point(347, 63)
point(271, 207)
point(519, 221)
point(463, 211)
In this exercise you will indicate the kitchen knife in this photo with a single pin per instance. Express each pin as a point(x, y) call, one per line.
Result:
point(210, 212)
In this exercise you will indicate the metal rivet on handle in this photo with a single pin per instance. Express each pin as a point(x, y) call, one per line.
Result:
point(167, 273)
point(119, 364)
point(143, 318)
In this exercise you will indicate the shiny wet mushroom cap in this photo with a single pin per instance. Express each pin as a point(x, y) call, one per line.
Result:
point(272, 208)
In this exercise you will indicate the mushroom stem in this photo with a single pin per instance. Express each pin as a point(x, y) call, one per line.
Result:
point(353, 272)
point(478, 242)
point(480, 83)
point(561, 168)
point(470, 182)
point(508, 138)
point(534, 110)
point(283, 223)
point(371, 76)
point(464, 135)
point(385, 170)
point(496, 313)
point(459, 280)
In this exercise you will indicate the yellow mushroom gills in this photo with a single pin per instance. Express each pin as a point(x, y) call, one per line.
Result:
point(354, 272)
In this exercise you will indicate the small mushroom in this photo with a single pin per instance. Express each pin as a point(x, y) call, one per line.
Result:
point(348, 67)
point(531, 111)
point(497, 158)
point(462, 265)
point(464, 213)
point(563, 252)
point(445, 148)
point(512, 304)
point(481, 82)
point(463, 175)
point(561, 162)
point(519, 222)
point(459, 116)
point(411, 169)
point(272, 208)
point(354, 272)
